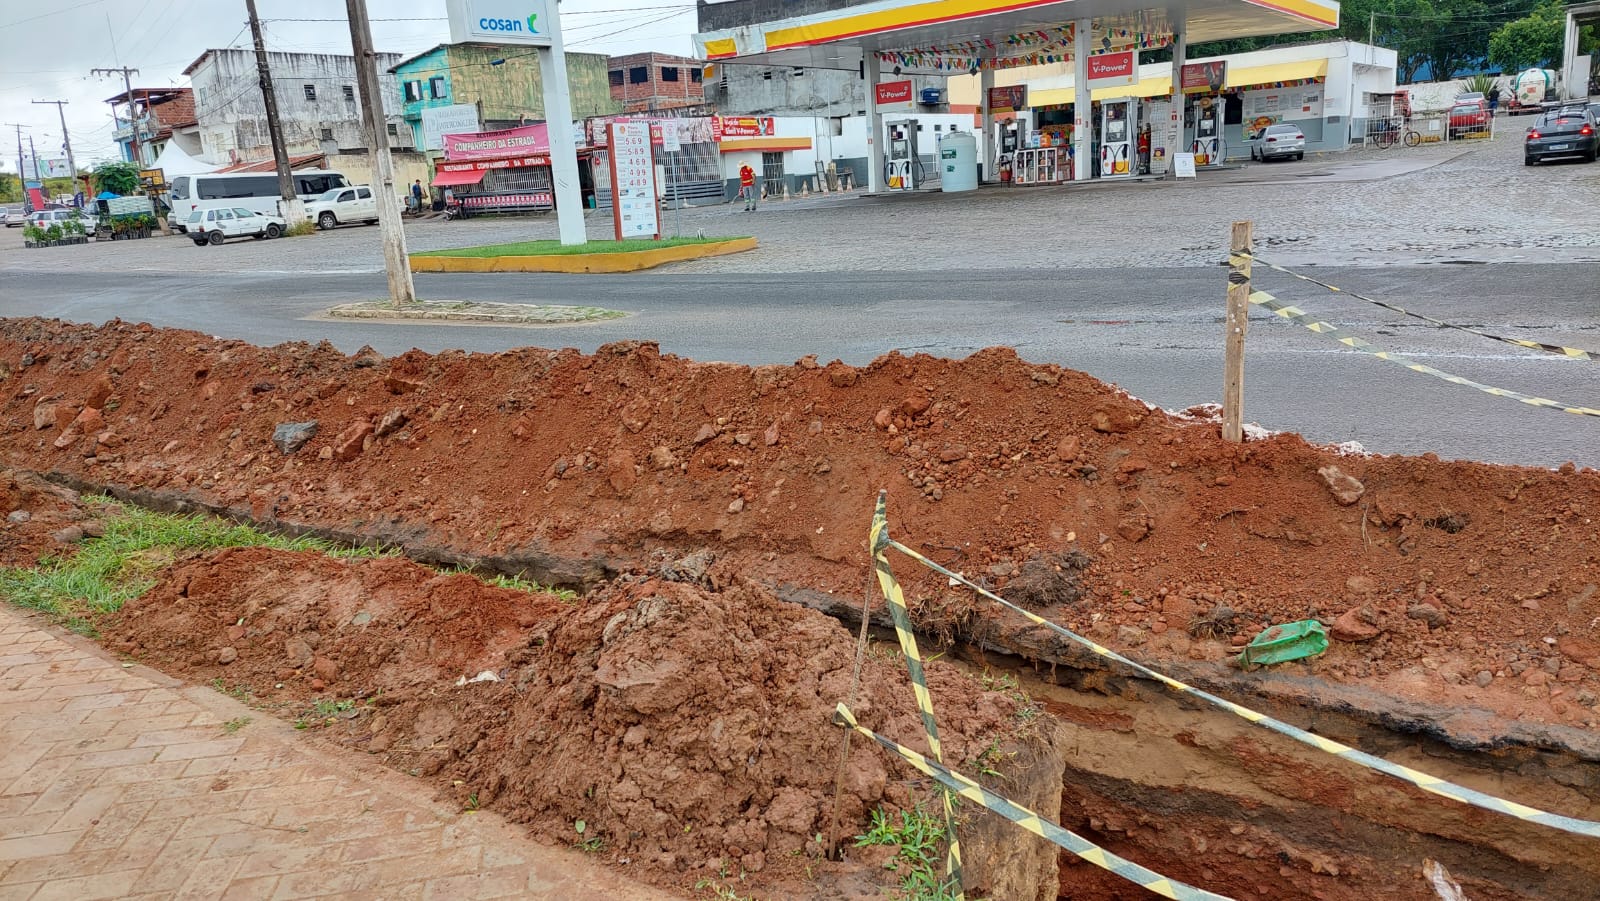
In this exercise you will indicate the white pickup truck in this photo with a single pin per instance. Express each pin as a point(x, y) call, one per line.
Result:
point(341, 206)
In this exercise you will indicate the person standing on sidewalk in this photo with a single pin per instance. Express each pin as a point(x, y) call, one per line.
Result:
point(416, 195)
point(747, 187)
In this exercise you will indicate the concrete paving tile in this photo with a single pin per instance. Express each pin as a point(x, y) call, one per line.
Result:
point(87, 888)
point(30, 846)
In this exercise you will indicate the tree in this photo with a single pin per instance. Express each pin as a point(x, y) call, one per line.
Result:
point(1535, 40)
point(118, 178)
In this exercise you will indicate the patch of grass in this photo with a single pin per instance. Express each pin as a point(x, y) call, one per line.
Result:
point(516, 583)
point(235, 724)
point(300, 229)
point(121, 565)
point(920, 837)
point(556, 248)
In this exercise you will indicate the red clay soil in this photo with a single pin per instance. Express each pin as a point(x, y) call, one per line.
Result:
point(39, 519)
point(1465, 583)
point(688, 729)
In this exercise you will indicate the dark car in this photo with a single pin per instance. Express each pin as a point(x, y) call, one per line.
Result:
point(1565, 132)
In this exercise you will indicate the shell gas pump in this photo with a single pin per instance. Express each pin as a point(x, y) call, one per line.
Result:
point(902, 167)
point(1207, 145)
point(1116, 139)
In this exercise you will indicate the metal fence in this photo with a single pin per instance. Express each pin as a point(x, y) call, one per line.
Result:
point(1387, 127)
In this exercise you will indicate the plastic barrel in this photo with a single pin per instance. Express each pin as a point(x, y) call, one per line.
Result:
point(958, 162)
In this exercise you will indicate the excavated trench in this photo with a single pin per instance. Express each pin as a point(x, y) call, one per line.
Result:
point(1461, 596)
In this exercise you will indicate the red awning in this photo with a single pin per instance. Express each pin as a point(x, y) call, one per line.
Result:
point(450, 179)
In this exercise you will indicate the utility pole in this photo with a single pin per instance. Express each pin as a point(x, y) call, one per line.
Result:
point(293, 210)
point(127, 83)
point(22, 177)
point(66, 139)
point(395, 261)
point(1372, 26)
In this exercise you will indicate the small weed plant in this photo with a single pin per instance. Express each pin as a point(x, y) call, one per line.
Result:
point(235, 724)
point(920, 837)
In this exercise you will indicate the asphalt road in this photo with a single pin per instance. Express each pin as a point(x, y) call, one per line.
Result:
point(1155, 332)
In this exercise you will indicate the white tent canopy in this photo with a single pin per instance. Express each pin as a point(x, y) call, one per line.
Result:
point(173, 162)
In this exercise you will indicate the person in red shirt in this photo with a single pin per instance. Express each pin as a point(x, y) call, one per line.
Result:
point(747, 187)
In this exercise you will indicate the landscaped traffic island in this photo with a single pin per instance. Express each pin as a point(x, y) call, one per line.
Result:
point(595, 256)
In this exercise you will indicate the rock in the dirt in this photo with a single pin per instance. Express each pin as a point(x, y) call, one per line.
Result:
point(392, 421)
point(1069, 448)
point(736, 505)
point(915, 405)
point(1355, 624)
point(1130, 636)
point(1346, 489)
point(661, 457)
point(44, 416)
point(291, 436)
point(227, 656)
point(1427, 613)
point(1134, 527)
point(352, 441)
point(1115, 420)
point(1483, 678)
point(771, 436)
point(18, 517)
point(69, 535)
point(298, 652)
point(706, 433)
point(1360, 585)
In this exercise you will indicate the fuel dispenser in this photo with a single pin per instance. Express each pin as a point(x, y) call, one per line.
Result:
point(1207, 132)
point(902, 167)
point(1116, 138)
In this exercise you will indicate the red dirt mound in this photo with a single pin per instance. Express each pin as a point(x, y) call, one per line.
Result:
point(688, 729)
point(1457, 582)
point(38, 518)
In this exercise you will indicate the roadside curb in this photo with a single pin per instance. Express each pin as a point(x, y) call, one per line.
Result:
point(473, 311)
point(628, 261)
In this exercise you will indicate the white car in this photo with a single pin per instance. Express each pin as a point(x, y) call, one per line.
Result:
point(47, 218)
point(1278, 141)
point(13, 216)
point(339, 206)
point(217, 225)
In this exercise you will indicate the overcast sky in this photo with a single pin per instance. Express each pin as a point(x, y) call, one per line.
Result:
point(47, 55)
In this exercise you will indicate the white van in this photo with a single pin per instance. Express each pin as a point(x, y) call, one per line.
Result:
point(253, 191)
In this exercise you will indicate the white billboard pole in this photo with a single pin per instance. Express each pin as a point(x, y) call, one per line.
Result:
point(534, 23)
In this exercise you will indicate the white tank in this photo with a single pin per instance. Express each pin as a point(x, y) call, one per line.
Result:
point(958, 162)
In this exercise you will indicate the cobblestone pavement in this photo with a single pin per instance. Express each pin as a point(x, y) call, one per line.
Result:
point(1465, 201)
point(120, 783)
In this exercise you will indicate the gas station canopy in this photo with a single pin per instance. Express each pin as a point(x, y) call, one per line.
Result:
point(944, 37)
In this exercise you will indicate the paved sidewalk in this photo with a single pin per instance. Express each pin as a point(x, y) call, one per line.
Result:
point(118, 782)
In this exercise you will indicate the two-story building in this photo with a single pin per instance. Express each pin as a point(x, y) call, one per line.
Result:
point(159, 115)
point(498, 85)
point(652, 82)
point(317, 97)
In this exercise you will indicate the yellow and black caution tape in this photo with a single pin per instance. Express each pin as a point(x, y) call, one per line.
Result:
point(1032, 822)
point(1297, 315)
point(919, 680)
point(1432, 784)
point(1557, 349)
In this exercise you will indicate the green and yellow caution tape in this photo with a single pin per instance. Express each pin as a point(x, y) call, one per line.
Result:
point(1032, 822)
point(1301, 317)
point(1431, 784)
point(919, 680)
point(1573, 352)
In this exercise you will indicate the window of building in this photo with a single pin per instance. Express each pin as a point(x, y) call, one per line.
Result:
point(669, 73)
point(200, 95)
point(311, 92)
point(327, 134)
point(616, 78)
point(638, 75)
point(695, 75)
point(436, 88)
point(798, 71)
point(413, 91)
point(350, 92)
point(394, 130)
point(766, 75)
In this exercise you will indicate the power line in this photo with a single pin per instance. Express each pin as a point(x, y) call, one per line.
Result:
point(54, 12)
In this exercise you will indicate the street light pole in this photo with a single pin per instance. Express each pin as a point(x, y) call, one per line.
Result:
point(293, 210)
point(66, 139)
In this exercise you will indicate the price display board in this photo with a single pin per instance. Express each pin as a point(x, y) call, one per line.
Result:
point(633, 181)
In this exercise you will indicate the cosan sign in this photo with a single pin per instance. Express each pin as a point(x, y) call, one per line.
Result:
point(1113, 69)
point(894, 96)
point(500, 21)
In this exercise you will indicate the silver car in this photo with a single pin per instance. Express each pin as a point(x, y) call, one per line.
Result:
point(1277, 141)
point(13, 216)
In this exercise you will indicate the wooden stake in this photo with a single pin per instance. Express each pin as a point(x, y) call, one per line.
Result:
point(1238, 322)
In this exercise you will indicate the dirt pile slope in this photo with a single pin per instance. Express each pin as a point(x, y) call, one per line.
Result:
point(1454, 582)
point(38, 518)
point(688, 729)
